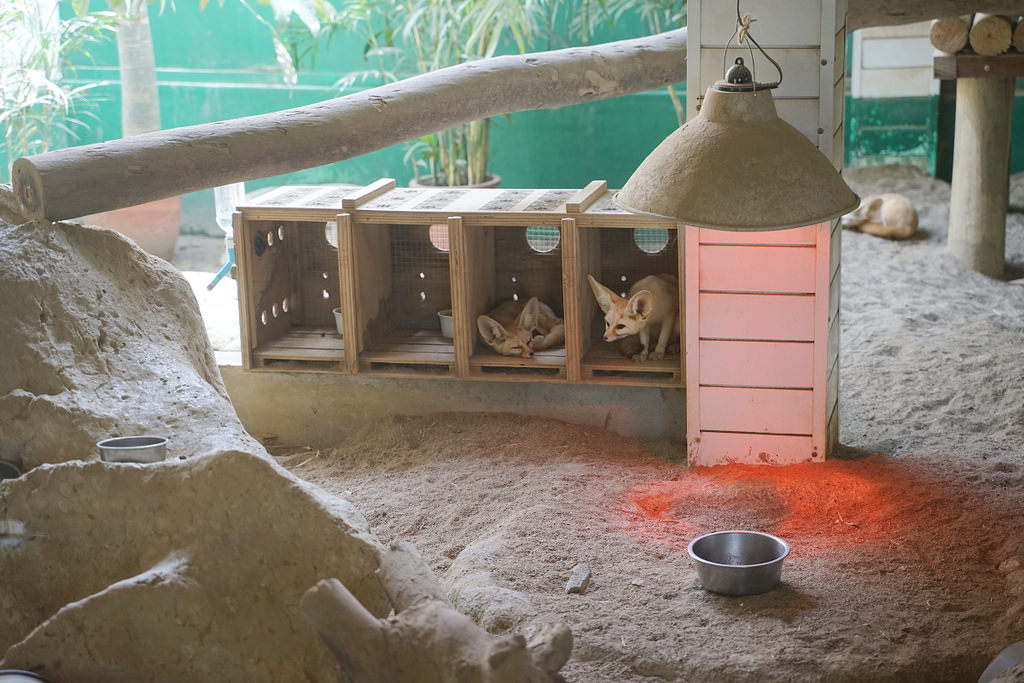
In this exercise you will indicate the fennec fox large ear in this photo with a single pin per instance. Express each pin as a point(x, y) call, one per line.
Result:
point(605, 297)
point(527, 319)
point(490, 329)
point(640, 304)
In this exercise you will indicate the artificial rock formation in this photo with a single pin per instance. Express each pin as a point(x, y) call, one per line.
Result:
point(100, 340)
point(128, 572)
point(181, 570)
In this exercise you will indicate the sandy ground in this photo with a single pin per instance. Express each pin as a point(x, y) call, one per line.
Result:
point(907, 555)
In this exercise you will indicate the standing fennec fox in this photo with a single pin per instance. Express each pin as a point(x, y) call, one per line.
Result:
point(651, 308)
point(517, 329)
point(884, 215)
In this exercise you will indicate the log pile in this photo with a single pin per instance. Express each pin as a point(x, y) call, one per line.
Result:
point(987, 35)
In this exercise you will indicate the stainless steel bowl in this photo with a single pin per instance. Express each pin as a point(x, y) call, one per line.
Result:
point(133, 449)
point(738, 562)
point(19, 676)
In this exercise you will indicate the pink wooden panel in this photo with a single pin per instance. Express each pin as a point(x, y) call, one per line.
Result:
point(775, 317)
point(757, 364)
point(772, 411)
point(803, 235)
point(719, 448)
point(741, 268)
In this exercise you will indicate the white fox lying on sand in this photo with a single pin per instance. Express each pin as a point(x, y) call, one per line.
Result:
point(517, 329)
point(884, 215)
point(651, 308)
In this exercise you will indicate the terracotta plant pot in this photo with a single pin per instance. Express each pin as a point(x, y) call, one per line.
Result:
point(153, 226)
point(493, 180)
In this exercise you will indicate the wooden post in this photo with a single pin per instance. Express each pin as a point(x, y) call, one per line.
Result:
point(980, 188)
point(349, 292)
point(572, 309)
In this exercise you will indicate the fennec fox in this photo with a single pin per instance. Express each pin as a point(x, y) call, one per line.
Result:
point(518, 329)
point(651, 308)
point(884, 215)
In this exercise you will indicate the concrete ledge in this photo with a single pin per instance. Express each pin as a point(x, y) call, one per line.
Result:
point(319, 410)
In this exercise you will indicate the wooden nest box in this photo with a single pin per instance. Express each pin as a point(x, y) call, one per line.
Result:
point(760, 309)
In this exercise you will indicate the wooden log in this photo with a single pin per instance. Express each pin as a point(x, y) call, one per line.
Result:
point(990, 34)
point(78, 181)
point(868, 13)
point(1018, 35)
point(980, 183)
point(949, 34)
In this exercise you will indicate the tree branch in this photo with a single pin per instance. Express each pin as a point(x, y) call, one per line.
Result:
point(77, 181)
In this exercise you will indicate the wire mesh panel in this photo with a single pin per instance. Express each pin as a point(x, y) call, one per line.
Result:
point(316, 268)
point(528, 262)
point(628, 255)
point(421, 277)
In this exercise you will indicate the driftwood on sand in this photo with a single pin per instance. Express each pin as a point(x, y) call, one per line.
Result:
point(427, 641)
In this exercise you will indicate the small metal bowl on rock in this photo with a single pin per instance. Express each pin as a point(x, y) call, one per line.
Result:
point(19, 676)
point(738, 562)
point(143, 449)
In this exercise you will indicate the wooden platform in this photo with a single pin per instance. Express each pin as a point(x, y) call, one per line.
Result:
point(606, 365)
point(544, 366)
point(410, 352)
point(304, 344)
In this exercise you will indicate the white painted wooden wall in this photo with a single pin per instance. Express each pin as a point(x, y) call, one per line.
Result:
point(808, 40)
point(791, 416)
point(893, 61)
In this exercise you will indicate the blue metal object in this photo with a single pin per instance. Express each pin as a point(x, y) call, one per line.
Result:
point(226, 268)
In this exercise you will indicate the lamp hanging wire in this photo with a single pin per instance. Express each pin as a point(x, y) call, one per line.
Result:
point(742, 35)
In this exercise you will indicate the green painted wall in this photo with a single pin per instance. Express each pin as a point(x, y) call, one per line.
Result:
point(916, 130)
point(891, 130)
point(219, 64)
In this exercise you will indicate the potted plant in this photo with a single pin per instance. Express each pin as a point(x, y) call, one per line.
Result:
point(37, 109)
point(155, 225)
point(415, 36)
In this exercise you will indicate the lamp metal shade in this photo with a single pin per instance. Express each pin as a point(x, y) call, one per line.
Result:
point(738, 166)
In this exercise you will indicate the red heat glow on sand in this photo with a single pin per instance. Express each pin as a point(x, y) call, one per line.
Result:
point(835, 502)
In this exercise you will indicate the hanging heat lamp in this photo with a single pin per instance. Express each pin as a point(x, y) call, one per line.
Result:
point(737, 165)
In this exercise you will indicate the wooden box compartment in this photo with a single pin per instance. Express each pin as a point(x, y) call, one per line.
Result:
point(618, 257)
point(508, 263)
point(289, 279)
point(400, 279)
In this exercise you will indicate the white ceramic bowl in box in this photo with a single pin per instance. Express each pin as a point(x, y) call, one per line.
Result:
point(337, 321)
point(447, 326)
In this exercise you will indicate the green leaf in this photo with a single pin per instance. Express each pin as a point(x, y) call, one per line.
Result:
point(80, 7)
